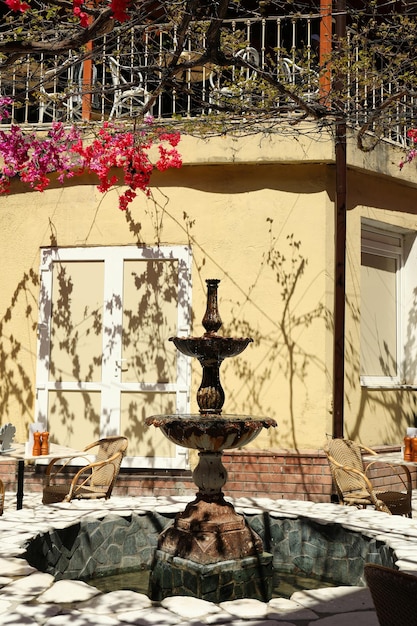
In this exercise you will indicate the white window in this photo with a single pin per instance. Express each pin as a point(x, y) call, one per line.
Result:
point(104, 359)
point(388, 290)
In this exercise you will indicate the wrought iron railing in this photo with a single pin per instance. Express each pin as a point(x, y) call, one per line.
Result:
point(122, 72)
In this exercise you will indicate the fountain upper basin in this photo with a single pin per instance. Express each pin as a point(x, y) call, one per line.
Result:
point(210, 347)
point(210, 432)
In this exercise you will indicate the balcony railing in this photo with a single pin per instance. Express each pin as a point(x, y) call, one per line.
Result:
point(120, 74)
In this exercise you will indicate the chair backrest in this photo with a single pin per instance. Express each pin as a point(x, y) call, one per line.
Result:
point(249, 55)
point(123, 74)
point(295, 74)
point(107, 448)
point(79, 79)
point(54, 89)
point(347, 453)
point(394, 594)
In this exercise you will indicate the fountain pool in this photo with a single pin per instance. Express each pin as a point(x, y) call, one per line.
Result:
point(42, 596)
point(303, 538)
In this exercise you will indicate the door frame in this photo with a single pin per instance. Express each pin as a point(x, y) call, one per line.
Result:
point(114, 257)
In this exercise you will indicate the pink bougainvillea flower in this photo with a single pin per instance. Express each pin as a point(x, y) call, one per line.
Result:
point(119, 9)
point(412, 153)
point(32, 158)
point(17, 5)
point(78, 12)
point(117, 148)
point(5, 103)
point(117, 156)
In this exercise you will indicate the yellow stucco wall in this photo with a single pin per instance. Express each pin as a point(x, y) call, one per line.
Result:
point(374, 416)
point(258, 214)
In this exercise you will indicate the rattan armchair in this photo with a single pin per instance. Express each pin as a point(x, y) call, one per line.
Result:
point(94, 480)
point(353, 485)
point(394, 595)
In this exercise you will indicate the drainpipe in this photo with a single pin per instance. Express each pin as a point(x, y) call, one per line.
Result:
point(87, 82)
point(87, 85)
point(325, 78)
point(340, 252)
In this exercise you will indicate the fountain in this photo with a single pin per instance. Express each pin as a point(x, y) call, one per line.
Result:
point(209, 542)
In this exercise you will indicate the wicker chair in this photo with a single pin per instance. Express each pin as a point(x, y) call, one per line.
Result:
point(95, 480)
point(353, 484)
point(394, 594)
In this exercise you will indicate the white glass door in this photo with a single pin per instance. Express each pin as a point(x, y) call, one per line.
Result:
point(104, 359)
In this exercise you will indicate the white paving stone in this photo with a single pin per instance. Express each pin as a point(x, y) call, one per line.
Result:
point(74, 618)
point(222, 617)
point(246, 607)
point(167, 508)
point(27, 587)
point(16, 567)
point(117, 602)
point(281, 608)
point(408, 566)
point(156, 615)
point(12, 619)
point(335, 599)
point(189, 607)
point(68, 591)
point(5, 605)
point(41, 612)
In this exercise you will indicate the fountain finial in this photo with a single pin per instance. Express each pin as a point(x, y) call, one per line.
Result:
point(212, 320)
point(211, 350)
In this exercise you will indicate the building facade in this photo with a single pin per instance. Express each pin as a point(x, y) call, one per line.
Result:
point(91, 295)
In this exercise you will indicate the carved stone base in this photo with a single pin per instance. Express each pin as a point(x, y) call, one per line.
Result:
point(210, 531)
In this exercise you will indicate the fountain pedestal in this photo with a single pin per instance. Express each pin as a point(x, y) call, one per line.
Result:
point(210, 552)
point(210, 530)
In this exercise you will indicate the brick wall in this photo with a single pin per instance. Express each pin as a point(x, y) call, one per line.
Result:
point(278, 474)
point(302, 475)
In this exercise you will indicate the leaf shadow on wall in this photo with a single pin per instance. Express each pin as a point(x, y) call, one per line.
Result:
point(81, 346)
point(16, 384)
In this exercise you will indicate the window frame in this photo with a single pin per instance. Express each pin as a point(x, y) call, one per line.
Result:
point(374, 240)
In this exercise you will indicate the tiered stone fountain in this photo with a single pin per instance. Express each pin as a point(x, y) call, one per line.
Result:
point(209, 543)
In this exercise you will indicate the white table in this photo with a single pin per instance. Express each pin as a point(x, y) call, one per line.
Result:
point(395, 458)
point(18, 453)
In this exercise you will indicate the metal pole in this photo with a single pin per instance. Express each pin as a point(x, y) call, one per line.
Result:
point(340, 251)
point(339, 282)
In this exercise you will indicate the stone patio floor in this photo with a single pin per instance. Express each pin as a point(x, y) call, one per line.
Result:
point(32, 598)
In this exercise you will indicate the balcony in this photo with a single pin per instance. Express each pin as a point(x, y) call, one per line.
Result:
point(120, 74)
